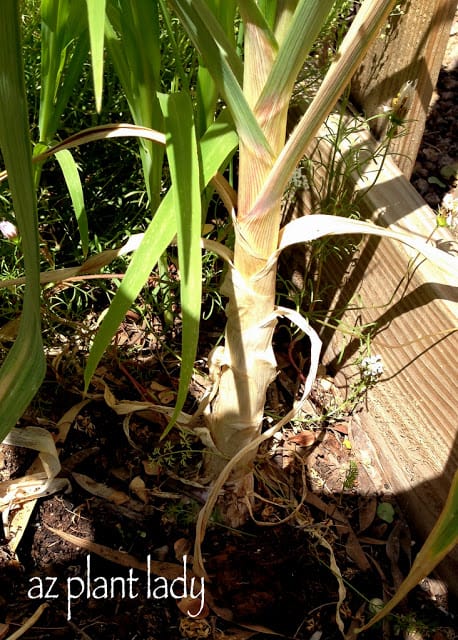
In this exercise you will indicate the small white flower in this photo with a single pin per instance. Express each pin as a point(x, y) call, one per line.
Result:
point(372, 367)
point(8, 229)
point(450, 203)
point(449, 210)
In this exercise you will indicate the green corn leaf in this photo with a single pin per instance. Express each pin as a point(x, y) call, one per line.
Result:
point(64, 48)
point(268, 8)
point(180, 72)
point(252, 13)
point(217, 146)
point(303, 30)
point(133, 42)
point(158, 236)
point(207, 95)
point(220, 57)
point(368, 20)
point(183, 162)
point(438, 544)
point(207, 89)
point(96, 20)
point(75, 189)
point(24, 367)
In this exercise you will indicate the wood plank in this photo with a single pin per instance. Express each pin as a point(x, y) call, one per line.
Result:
point(410, 49)
point(412, 417)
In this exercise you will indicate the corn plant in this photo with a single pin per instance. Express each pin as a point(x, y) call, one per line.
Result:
point(249, 55)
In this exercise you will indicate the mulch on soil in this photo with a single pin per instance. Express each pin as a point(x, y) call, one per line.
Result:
point(266, 577)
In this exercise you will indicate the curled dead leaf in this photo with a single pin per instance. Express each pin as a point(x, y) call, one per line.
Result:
point(167, 397)
point(151, 468)
point(193, 608)
point(182, 547)
point(100, 490)
point(138, 486)
point(367, 511)
point(303, 439)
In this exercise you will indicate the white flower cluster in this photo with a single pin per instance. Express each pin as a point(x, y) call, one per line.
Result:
point(371, 368)
point(7, 229)
point(450, 209)
point(297, 180)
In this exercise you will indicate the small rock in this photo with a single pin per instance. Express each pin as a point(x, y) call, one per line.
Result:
point(433, 200)
point(422, 186)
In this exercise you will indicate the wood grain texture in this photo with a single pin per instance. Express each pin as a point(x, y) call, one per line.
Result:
point(411, 49)
point(412, 416)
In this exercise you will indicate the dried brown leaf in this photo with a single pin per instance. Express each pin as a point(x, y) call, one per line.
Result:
point(182, 547)
point(100, 490)
point(151, 468)
point(191, 607)
point(167, 570)
point(367, 510)
point(138, 486)
point(303, 439)
point(355, 551)
point(393, 548)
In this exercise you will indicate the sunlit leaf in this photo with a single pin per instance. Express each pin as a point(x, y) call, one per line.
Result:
point(183, 163)
point(75, 189)
point(96, 20)
point(221, 59)
point(24, 367)
point(217, 146)
point(368, 20)
point(64, 48)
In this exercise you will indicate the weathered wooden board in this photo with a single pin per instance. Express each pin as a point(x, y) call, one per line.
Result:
point(412, 416)
point(410, 49)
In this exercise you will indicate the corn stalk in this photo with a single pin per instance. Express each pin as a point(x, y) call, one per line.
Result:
point(275, 48)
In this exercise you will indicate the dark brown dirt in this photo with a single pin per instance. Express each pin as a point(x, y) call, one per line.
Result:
point(274, 576)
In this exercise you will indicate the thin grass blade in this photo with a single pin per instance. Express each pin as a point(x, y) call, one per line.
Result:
point(24, 367)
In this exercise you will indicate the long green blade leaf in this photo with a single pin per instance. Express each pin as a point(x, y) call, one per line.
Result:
point(305, 26)
point(363, 30)
point(96, 20)
point(183, 160)
point(133, 42)
point(24, 368)
point(64, 48)
point(220, 57)
point(75, 189)
point(217, 146)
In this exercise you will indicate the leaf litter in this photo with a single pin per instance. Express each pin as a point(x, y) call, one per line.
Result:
point(318, 550)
